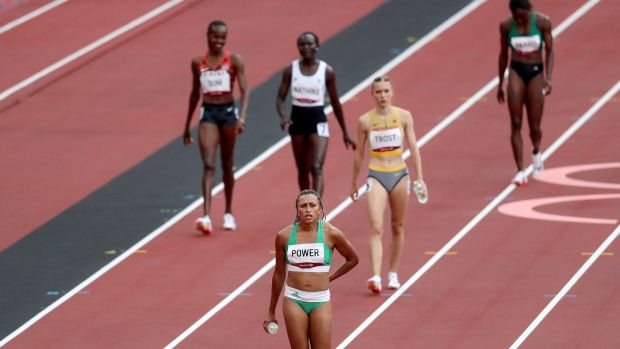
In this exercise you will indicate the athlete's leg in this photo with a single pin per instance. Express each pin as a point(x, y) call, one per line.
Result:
point(321, 327)
point(377, 201)
point(228, 138)
point(516, 97)
point(318, 147)
point(296, 321)
point(534, 104)
point(399, 200)
point(208, 139)
point(303, 160)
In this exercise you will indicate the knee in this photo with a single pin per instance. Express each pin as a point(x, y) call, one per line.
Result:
point(398, 228)
point(515, 124)
point(376, 231)
point(227, 166)
point(208, 166)
point(535, 131)
point(317, 168)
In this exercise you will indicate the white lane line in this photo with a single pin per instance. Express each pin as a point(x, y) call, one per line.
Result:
point(563, 292)
point(594, 256)
point(346, 97)
point(25, 18)
point(481, 215)
point(477, 96)
point(88, 48)
point(248, 167)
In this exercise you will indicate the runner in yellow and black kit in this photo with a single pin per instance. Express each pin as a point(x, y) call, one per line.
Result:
point(525, 34)
point(385, 128)
point(305, 249)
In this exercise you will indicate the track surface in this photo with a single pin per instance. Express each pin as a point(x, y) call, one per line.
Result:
point(483, 294)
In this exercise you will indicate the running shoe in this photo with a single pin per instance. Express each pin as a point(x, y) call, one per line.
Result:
point(229, 222)
point(520, 179)
point(393, 283)
point(204, 225)
point(374, 284)
point(537, 162)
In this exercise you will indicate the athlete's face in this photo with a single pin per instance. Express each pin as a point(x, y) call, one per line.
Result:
point(307, 46)
point(308, 208)
point(216, 37)
point(521, 15)
point(382, 93)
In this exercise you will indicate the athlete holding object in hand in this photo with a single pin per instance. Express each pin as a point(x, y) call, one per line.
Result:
point(305, 249)
point(385, 128)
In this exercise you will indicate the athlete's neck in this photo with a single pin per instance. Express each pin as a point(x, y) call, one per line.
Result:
point(311, 227)
point(384, 110)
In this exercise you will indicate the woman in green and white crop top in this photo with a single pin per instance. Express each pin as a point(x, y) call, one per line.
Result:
point(303, 260)
point(525, 35)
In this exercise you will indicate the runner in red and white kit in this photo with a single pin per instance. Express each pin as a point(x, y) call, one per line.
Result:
point(214, 74)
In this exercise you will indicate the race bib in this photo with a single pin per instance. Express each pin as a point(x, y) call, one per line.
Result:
point(215, 81)
point(322, 129)
point(306, 94)
point(526, 44)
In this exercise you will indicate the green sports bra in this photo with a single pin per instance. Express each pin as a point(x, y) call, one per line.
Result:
point(529, 43)
point(312, 257)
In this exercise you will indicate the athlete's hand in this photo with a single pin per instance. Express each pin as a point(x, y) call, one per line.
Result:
point(240, 126)
point(500, 95)
point(547, 87)
point(348, 141)
point(187, 138)
point(354, 194)
point(285, 124)
point(269, 319)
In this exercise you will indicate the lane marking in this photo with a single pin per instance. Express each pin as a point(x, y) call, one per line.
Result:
point(449, 253)
point(560, 176)
point(90, 47)
point(238, 174)
point(346, 97)
point(526, 209)
point(602, 254)
point(482, 214)
point(563, 292)
point(25, 18)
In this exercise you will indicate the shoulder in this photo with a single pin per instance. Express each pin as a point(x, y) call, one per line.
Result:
point(284, 234)
point(405, 116)
point(364, 120)
point(197, 60)
point(403, 113)
point(543, 21)
point(328, 69)
point(505, 25)
point(236, 59)
point(332, 231)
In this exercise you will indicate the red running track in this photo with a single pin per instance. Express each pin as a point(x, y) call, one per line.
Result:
point(108, 118)
point(484, 296)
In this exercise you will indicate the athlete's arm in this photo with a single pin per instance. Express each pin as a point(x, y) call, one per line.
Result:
point(279, 275)
point(346, 250)
point(330, 81)
point(412, 142)
point(239, 66)
point(502, 59)
point(362, 134)
point(194, 97)
point(545, 26)
point(285, 84)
